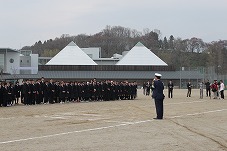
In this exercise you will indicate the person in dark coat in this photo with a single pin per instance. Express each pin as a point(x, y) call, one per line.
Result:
point(26, 92)
point(208, 92)
point(57, 91)
point(170, 89)
point(75, 92)
point(42, 88)
point(22, 92)
point(51, 88)
point(70, 91)
point(33, 90)
point(1, 94)
point(158, 95)
point(38, 97)
point(148, 88)
point(17, 92)
point(62, 92)
point(4, 95)
point(189, 86)
point(46, 92)
point(10, 96)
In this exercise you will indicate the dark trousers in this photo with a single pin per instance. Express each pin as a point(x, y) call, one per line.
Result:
point(208, 92)
point(222, 94)
point(189, 93)
point(170, 93)
point(159, 108)
point(148, 92)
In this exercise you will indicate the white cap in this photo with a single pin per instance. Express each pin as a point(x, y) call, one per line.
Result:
point(157, 74)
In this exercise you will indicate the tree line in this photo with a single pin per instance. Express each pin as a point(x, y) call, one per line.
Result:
point(178, 52)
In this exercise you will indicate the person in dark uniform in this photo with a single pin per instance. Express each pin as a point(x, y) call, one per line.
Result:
point(46, 92)
point(148, 88)
point(38, 92)
point(33, 92)
point(62, 92)
point(26, 92)
point(207, 83)
point(158, 95)
point(51, 88)
point(4, 94)
point(22, 92)
point(189, 86)
point(57, 85)
point(10, 96)
point(17, 91)
point(170, 89)
point(42, 88)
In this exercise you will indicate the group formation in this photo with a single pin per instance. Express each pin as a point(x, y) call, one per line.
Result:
point(32, 92)
point(216, 87)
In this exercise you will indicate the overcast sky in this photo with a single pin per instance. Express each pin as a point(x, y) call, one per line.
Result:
point(24, 22)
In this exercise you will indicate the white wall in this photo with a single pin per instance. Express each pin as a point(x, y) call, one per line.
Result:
point(92, 51)
point(13, 68)
point(34, 63)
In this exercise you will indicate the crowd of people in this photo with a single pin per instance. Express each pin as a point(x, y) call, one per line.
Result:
point(216, 87)
point(32, 92)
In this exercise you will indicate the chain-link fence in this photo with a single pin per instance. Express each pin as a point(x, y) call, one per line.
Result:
point(199, 74)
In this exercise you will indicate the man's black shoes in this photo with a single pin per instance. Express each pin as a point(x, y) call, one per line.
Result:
point(157, 118)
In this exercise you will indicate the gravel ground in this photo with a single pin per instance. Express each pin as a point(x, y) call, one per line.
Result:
point(126, 125)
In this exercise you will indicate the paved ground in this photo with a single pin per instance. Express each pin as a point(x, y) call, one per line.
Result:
point(189, 124)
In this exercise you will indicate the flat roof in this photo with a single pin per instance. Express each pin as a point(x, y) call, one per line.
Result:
point(9, 50)
point(130, 75)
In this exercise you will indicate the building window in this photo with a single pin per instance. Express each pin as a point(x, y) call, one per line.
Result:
point(11, 60)
point(27, 61)
point(2, 60)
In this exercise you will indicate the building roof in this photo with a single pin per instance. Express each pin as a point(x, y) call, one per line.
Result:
point(8, 50)
point(140, 55)
point(130, 75)
point(71, 55)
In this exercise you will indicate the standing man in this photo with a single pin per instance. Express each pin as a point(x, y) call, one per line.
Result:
point(207, 88)
point(158, 95)
point(189, 86)
point(51, 87)
point(170, 89)
point(222, 88)
point(201, 90)
point(148, 88)
point(144, 88)
point(17, 91)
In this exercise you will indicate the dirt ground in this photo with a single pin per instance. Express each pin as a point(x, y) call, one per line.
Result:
point(127, 125)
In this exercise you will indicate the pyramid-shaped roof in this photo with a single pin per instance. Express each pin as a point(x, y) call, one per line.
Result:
point(71, 55)
point(140, 55)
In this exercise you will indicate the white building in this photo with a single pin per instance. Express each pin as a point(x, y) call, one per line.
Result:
point(28, 62)
point(140, 55)
point(9, 61)
point(71, 55)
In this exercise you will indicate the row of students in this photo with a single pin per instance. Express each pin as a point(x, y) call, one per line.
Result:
point(32, 92)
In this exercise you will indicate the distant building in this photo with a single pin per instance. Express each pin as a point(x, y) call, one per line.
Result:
point(71, 55)
point(9, 61)
point(28, 62)
point(139, 55)
point(81, 64)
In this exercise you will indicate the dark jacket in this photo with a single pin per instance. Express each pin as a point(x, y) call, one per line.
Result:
point(158, 90)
